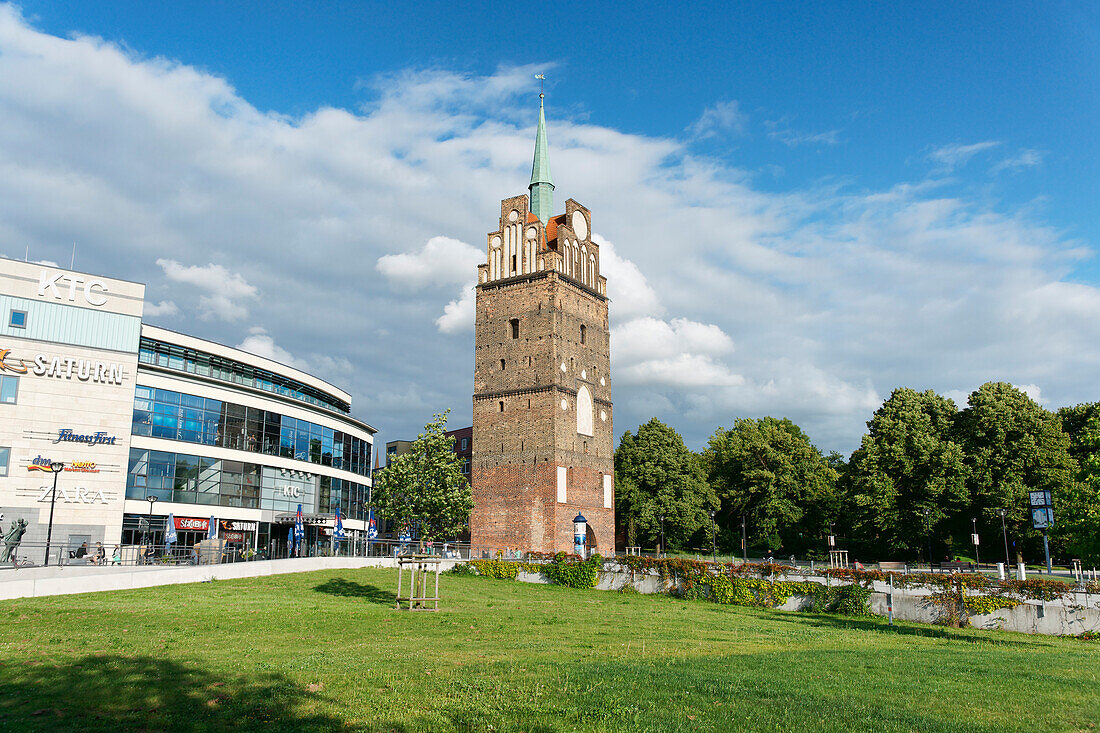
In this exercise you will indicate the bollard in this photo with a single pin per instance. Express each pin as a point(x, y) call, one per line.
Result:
point(1001, 575)
point(811, 566)
point(1021, 571)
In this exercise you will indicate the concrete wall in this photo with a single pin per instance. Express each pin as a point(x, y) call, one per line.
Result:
point(53, 581)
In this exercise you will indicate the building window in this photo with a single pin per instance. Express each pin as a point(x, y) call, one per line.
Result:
point(515, 327)
point(18, 319)
point(5, 454)
point(465, 442)
point(583, 334)
point(502, 365)
point(502, 405)
point(9, 389)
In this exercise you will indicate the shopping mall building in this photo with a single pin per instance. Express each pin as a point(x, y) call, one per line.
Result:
point(136, 412)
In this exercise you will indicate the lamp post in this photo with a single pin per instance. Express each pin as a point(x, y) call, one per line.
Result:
point(662, 552)
point(1002, 512)
point(56, 467)
point(974, 539)
point(744, 539)
point(928, 531)
point(713, 538)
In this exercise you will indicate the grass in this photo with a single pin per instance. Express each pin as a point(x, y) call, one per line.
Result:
point(327, 651)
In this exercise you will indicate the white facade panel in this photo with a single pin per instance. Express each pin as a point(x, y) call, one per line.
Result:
point(563, 477)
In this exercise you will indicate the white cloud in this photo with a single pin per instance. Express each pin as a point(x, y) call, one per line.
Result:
point(782, 131)
point(952, 156)
point(1026, 158)
point(441, 261)
point(722, 118)
point(834, 295)
point(225, 289)
point(458, 315)
point(260, 343)
point(163, 308)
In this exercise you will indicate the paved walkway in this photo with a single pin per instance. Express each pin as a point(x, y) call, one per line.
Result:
point(55, 581)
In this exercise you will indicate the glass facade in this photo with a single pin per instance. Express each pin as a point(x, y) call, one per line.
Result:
point(171, 356)
point(189, 479)
point(162, 413)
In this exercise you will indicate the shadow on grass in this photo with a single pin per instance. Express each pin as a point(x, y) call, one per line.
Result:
point(350, 589)
point(904, 629)
point(113, 693)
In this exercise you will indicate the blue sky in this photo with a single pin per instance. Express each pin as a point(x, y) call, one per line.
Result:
point(837, 178)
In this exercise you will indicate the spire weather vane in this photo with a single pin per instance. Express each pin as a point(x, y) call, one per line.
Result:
point(541, 78)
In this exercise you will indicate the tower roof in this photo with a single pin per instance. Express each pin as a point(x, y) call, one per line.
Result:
point(542, 185)
point(540, 167)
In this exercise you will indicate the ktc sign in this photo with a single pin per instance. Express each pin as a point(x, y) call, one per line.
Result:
point(292, 491)
point(93, 289)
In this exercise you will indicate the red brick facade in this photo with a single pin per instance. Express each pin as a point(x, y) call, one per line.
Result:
point(542, 427)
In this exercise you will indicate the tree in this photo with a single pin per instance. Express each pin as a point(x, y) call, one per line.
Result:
point(1012, 446)
point(655, 475)
point(768, 470)
point(1077, 512)
point(424, 489)
point(906, 463)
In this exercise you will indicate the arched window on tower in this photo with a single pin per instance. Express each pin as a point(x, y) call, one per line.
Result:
point(584, 411)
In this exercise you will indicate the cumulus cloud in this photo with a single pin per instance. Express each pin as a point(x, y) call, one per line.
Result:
point(441, 261)
point(833, 295)
point(722, 118)
point(224, 289)
point(260, 343)
point(458, 315)
point(163, 308)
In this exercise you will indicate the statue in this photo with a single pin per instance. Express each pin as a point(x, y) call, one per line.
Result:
point(12, 539)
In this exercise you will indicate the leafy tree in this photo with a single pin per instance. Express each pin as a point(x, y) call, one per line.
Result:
point(768, 470)
point(424, 489)
point(906, 463)
point(1075, 422)
point(1077, 512)
point(655, 474)
point(1013, 446)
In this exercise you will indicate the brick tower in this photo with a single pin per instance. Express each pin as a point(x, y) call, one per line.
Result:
point(542, 439)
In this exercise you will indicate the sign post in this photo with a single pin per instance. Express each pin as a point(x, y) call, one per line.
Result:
point(1042, 518)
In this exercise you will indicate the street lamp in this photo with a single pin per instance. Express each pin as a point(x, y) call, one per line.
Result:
point(1002, 512)
point(57, 467)
point(928, 530)
point(744, 539)
point(662, 552)
point(713, 538)
point(974, 539)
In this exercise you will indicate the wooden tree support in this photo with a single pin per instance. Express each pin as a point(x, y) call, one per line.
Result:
point(420, 593)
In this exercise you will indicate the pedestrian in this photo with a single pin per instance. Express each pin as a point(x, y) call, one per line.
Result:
point(100, 554)
point(116, 555)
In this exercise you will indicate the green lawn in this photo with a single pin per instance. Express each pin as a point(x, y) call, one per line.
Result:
point(326, 650)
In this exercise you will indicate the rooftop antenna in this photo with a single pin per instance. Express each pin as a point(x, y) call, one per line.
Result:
point(72, 261)
point(541, 78)
point(27, 254)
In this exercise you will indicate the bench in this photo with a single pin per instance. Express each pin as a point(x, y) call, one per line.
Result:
point(893, 567)
point(952, 565)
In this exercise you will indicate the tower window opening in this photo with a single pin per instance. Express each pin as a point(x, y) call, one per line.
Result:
point(513, 264)
point(583, 334)
point(515, 327)
point(502, 365)
point(502, 405)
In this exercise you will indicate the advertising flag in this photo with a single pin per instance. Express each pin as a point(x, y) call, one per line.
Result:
point(299, 529)
point(212, 528)
point(170, 530)
point(372, 526)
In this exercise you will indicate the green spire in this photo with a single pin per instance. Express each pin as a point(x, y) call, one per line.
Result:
point(542, 186)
